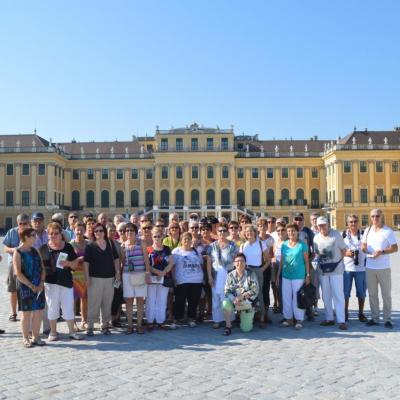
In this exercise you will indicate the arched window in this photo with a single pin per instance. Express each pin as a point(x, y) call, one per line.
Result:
point(149, 198)
point(195, 198)
point(240, 197)
point(90, 199)
point(255, 198)
point(300, 197)
point(75, 200)
point(105, 199)
point(179, 198)
point(164, 198)
point(270, 197)
point(134, 198)
point(119, 199)
point(315, 198)
point(210, 197)
point(285, 197)
point(225, 198)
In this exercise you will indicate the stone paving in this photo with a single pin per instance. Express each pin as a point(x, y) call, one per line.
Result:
point(199, 363)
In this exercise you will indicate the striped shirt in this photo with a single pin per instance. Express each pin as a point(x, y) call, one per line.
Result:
point(134, 259)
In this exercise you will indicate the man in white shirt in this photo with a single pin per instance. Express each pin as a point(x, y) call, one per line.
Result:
point(378, 242)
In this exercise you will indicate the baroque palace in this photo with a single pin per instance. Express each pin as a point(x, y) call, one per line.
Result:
point(211, 171)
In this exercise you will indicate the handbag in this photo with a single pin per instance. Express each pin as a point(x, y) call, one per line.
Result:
point(329, 267)
point(306, 296)
point(137, 278)
point(168, 281)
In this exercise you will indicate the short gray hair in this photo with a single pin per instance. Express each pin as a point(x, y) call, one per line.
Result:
point(22, 218)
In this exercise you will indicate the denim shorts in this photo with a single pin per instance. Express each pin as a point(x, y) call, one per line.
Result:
point(360, 281)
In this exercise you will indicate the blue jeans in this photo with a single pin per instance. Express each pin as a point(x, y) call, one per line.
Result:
point(360, 282)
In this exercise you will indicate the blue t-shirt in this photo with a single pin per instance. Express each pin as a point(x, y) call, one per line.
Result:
point(293, 260)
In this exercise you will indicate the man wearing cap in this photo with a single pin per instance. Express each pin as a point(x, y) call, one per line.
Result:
point(330, 249)
point(11, 241)
point(37, 223)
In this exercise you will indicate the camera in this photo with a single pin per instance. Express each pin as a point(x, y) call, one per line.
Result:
point(355, 256)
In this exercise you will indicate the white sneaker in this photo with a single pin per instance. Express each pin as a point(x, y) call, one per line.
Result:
point(173, 326)
point(298, 326)
point(53, 337)
point(192, 324)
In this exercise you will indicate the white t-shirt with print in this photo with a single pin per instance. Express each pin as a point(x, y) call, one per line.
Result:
point(378, 240)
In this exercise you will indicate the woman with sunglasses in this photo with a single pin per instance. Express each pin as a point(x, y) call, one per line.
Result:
point(295, 269)
point(157, 292)
point(219, 263)
point(135, 277)
point(234, 235)
point(30, 274)
point(173, 238)
point(102, 265)
point(146, 234)
point(59, 259)
point(80, 290)
point(189, 280)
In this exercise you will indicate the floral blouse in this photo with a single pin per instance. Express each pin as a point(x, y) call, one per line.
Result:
point(236, 285)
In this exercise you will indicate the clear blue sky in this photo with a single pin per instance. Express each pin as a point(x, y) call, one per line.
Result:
point(100, 70)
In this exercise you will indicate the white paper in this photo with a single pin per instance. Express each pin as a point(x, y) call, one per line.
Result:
point(61, 257)
point(157, 279)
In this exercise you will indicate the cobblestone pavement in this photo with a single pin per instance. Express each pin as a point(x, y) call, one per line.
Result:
point(275, 363)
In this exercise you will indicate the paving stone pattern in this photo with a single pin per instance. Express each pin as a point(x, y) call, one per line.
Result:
point(275, 363)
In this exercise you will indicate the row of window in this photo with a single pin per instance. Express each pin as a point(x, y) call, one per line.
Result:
point(194, 144)
point(26, 169)
point(284, 173)
point(363, 167)
point(379, 196)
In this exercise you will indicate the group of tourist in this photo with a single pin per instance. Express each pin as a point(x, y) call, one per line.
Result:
point(196, 269)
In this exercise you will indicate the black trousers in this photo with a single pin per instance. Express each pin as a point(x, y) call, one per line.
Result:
point(189, 292)
point(266, 286)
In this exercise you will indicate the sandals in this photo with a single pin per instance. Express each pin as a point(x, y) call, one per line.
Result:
point(38, 342)
point(13, 318)
point(27, 343)
point(75, 336)
point(227, 331)
point(275, 309)
point(129, 330)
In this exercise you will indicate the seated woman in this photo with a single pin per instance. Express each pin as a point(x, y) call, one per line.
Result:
point(241, 289)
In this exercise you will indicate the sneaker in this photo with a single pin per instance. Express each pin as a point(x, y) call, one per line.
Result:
point(388, 325)
point(216, 325)
point(53, 337)
point(89, 332)
point(106, 331)
point(46, 331)
point(362, 318)
point(343, 326)
point(173, 326)
point(298, 326)
point(327, 323)
point(75, 336)
point(192, 324)
point(371, 322)
point(286, 323)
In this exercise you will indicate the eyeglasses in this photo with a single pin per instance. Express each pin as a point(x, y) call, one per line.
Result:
point(194, 227)
point(99, 231)
point(122, 231)
point(160, 226)
point(73, 216)
point(146, 228)
point(222, 230)
point(131, 230)
point(205, 230)
point(298, 219)
point(375, 216)
point(54, 233)
point(233, 227)
point(157, 237)
point(23, 223)
point(353, 222)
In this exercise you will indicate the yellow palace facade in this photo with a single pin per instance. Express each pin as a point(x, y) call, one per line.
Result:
point(211, 171)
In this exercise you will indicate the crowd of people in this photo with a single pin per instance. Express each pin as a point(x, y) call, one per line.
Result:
point(139, 275)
